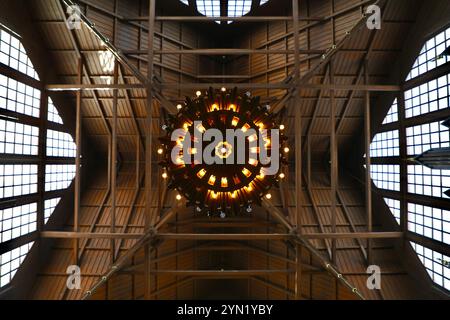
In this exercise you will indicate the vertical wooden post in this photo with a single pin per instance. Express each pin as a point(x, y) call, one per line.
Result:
point(367, 137)
point(114, 162)
point(298, 143)
point(333, 163)
point(76, 215)
point(138, 163)
point(148, 143)
point(308, 159)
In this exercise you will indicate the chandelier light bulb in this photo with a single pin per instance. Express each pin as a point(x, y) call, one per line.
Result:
point(178, 197)
point(268, 196)
point(286, 149)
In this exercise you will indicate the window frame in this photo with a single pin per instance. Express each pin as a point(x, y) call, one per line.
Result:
point(40, 159)
point(408, 142)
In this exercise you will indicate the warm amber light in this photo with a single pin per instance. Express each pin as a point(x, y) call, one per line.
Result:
point(254, 150)
point(214, 195)
point(178, 197)
point(281, 126)
point(232, 107)
point(160, 151)
point(201, 128)
point(212, 180)
point(186, 126)
point(215, 107)
point(180, 161)
point(261, 125)
point(193, 151)
point(246, 172)
point(266, 142)
point(198, 93)
point(261, 175)
point(245, 127)
point(282, 175)
point(164, 175)
point(224, 182)
point(179, 106)
point(286, 149)
point(253, 162)
point(252, 138)
point(201, 173)
point(235, 121)
point(249, 188)
point(233, 194)
point(223, 89)
point(268, 196)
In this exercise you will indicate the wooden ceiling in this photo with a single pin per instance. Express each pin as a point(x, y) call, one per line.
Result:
point(335, 46)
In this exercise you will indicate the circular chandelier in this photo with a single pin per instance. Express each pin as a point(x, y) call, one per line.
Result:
point(223, 151)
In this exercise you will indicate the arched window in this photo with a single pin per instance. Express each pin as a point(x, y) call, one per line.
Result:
point(27, 202)
point(415, 124)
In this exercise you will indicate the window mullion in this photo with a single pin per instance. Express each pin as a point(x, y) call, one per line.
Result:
point(42, 157)
point(403, 164)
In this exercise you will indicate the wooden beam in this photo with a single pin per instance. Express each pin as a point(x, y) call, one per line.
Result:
point(333, 163)
point(223, 18)
point(367, 140)
point(351, 223)
point(180, 86)
point(113, 165)
point(283, 85)
point(89, 235)
point(232, 51)
point(93, 86)
point(223, 236)
point(110, 46)
point(148, 143)
point(354, 235)
point(223, 273)
point(77, 191)
point(121, 262)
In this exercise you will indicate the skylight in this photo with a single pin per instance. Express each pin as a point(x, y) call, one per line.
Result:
point(209, 8)
point(239, 8)
point(233, 8)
